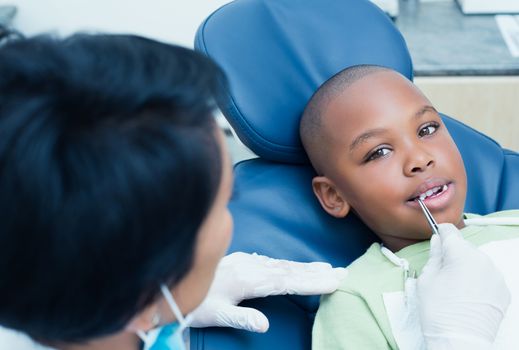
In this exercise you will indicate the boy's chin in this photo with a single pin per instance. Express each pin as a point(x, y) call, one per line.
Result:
point(455, 217)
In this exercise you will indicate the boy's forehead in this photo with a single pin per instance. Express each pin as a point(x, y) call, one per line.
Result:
point(368, 89)
point(374, 95)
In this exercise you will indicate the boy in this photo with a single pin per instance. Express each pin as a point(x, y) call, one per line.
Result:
point(377, 145)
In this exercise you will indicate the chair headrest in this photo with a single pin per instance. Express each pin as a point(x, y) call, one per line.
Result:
point(276, 55)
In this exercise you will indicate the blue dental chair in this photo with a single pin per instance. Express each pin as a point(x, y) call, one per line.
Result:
point(276, 53)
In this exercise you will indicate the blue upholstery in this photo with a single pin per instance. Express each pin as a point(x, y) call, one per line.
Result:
point(276, 53)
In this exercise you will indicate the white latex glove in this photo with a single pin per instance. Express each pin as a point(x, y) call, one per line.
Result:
point(241, 276)
point(462, 296)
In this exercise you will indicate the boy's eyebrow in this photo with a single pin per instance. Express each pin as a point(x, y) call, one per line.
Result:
point(364, 136)
point(424, 110)
point(374, 132)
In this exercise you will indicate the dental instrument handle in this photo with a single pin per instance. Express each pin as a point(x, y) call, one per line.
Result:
point(428, 216)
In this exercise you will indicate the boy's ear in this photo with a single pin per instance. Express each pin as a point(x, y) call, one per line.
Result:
point(330, 199)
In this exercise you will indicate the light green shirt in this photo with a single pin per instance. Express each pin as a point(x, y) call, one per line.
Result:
point(354, 317)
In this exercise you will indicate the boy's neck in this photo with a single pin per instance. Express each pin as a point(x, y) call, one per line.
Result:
point(398, 243)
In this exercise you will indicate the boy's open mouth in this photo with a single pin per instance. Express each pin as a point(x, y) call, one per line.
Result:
point(437, 194)
point(430, 193)
point(430, 190)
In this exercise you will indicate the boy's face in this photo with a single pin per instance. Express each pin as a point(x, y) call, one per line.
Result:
point(387, 145)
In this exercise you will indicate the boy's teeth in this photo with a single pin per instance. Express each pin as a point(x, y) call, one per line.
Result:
point(432, 191)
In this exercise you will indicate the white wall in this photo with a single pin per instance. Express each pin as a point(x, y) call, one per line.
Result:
point(173, 21)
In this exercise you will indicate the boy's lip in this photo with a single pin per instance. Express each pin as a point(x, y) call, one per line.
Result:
point(428, 185)
point(436, 201)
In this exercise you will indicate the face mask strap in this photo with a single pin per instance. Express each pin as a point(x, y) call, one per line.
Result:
point(184, 321)
point(142, 335)
point(150, 336)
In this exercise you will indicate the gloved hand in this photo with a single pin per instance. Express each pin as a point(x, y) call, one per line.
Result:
point(462, 296)
point(241, 276)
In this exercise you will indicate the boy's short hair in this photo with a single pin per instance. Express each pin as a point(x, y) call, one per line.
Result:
point(311, 126)
point(109, 163)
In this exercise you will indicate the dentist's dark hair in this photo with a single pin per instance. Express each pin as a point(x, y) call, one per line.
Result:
point(8, 35)
point(109, 163)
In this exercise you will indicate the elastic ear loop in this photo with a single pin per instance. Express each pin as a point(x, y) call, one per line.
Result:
point(155, 321)
point(184, 322)
point(141, 335)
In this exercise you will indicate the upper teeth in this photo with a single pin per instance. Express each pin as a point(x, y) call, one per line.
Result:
point(432, 191)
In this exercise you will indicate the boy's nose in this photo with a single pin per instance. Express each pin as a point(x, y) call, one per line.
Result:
point(418, 162)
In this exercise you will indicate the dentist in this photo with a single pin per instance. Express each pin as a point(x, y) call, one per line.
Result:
point(114, 185)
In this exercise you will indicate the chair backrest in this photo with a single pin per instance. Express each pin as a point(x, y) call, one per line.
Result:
point(276, 53)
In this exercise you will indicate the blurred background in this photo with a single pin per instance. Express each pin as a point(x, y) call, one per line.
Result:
point(465, 52)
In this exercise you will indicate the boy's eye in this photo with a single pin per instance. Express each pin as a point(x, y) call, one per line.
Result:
point(428, 129)
point(378, 153)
